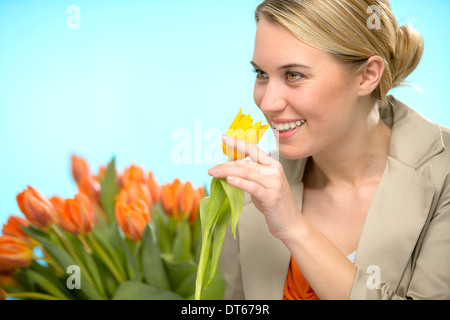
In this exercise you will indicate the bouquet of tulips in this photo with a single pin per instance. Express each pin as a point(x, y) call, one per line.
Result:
point(121, 236)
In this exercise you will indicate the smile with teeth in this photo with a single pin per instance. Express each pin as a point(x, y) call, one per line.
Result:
point(287, 126)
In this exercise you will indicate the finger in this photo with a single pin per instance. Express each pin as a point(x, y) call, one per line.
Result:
point(249, 149)
point(251, 171)
point(250, 187)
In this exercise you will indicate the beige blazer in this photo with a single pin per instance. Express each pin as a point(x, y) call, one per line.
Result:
point(404, 249)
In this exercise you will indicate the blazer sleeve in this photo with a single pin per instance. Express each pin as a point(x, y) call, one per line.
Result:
point(430, 274)
point(230, 267)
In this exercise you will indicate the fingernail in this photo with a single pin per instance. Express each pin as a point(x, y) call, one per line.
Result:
point(212, 171)
point(224, 138)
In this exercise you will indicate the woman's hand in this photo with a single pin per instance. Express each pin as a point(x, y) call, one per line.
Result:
point(264, 179)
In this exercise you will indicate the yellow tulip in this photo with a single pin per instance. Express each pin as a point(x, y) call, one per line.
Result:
point(243, 129)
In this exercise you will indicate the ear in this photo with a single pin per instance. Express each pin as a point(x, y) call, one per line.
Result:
point(370, 75)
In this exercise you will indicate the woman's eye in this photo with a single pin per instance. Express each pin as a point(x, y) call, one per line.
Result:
point(293, 76)
point(260, 74)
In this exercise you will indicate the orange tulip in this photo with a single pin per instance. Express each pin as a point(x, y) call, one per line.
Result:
point(58, 204)
point(90, 186)
point(78, 216)
point(3, 294)
point(132, 173)
point(15, 252)
point(154, 187)
point(170, 198)
point(186, 199)
point(80, 168)
point(36, 207)
point(101, 172)
point(13, 228)
point(132, 218)
point(133, 192)
point(180, 199)
point(8, 281)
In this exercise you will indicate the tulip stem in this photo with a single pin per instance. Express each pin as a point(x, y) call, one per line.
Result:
point(65, 243)
point(85, 245)
point(71, 251)
point(105, 258)
point(32, 295)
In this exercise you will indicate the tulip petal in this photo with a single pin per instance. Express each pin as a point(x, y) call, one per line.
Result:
point(236, 120)
point(245, 122)
point(261, 132)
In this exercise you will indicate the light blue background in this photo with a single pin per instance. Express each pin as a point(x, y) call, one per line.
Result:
point(136, 72)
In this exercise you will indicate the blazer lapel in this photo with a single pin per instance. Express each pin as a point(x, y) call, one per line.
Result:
point(394, 222)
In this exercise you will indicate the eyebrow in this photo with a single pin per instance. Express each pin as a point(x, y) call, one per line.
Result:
point(284, 67)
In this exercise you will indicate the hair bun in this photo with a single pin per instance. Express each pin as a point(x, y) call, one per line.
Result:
point(408, 53)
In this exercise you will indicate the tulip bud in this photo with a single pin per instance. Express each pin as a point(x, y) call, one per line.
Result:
point(78, 216)
point(3, 294)
point(90, 186)
point(186, 199)
point(133, 192)
point(154, 187)
point(15, 252)
point(80, 168)
point(132, 218)
point(241, 128)
point(170, 198)
point(132, 173)
point(13, 227)
point(8, 281)
point(36, 207)
point(58, 204)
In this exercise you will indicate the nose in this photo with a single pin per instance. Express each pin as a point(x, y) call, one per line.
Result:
point(269, 97)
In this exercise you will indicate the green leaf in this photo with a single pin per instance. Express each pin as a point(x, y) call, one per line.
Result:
point(109, 187)
point(219, 235)
point(197, 238)
point(109, 281)
point(236, 199)
point(186, 288)
point(215, 289)
point(133, 290)
point(206, 246)
point(178, 270)
point(152, 264)
point(131, 262)
point(46, 284)
point(183, 242)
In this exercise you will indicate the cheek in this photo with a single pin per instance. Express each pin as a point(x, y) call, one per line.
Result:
point(330, 99)
point(258, 94)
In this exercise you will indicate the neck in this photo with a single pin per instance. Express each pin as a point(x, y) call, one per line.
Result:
point(357, 157)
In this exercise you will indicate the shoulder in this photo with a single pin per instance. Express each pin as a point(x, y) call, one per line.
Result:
point(437, 167)
point(415, 140)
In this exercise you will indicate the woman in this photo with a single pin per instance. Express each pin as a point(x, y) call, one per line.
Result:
point(360, 206)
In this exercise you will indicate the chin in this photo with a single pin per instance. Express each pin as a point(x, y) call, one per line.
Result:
point(293, 153)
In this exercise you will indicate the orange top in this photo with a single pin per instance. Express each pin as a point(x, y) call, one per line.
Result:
point(297, 288)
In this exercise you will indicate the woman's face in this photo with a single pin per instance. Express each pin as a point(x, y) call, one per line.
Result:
point(308, 97)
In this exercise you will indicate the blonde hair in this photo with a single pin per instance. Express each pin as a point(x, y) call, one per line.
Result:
point(342, 28)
